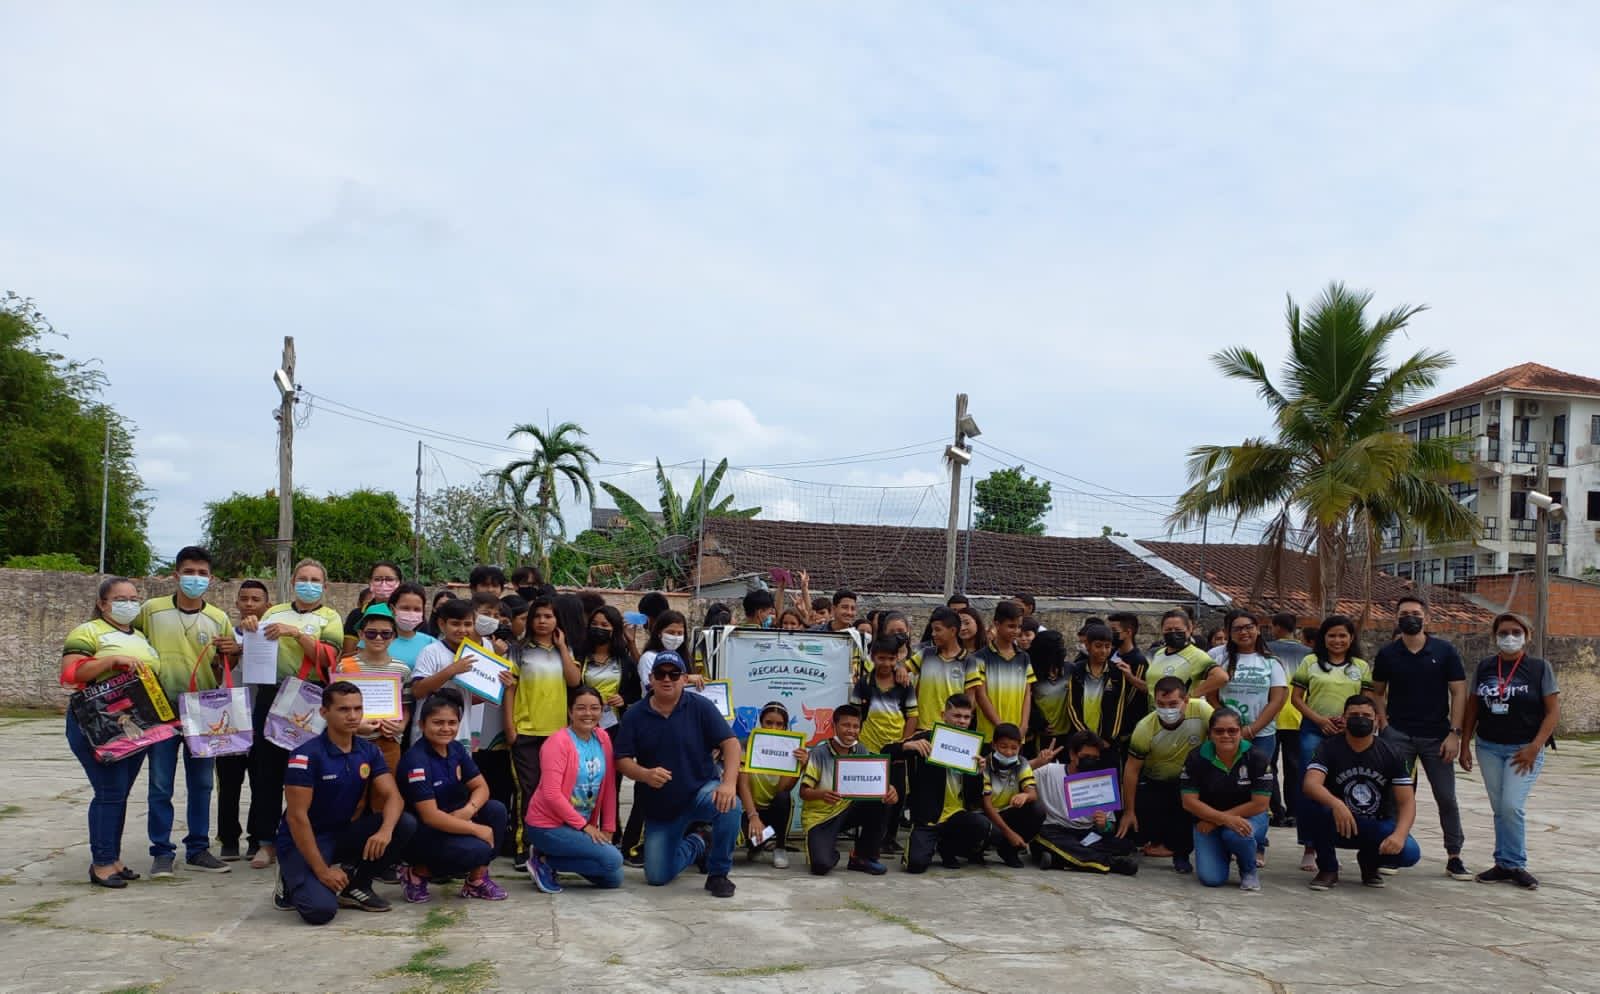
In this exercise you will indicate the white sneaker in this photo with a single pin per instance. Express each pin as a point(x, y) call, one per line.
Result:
point(780, 859)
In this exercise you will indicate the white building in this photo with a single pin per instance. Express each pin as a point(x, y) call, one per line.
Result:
point(1505, 416)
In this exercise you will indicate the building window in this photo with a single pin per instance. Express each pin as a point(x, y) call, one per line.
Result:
point(1594, 429)
point(1465, 493)
point(1458, 568)
point(1403, 570)
point(1464, 421)
point(1519, 505)
point(1431, 426)
point(1594, 505)
point(1410, 429)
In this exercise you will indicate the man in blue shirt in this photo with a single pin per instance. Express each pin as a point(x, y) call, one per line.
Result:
point(664, 745)
point(327, 856)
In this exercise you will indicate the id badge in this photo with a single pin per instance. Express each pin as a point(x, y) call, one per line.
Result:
point(1499, 707)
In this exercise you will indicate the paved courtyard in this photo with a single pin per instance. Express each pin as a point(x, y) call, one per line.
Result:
point(978, 929)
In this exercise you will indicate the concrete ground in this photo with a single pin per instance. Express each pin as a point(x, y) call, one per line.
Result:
point(977, 929)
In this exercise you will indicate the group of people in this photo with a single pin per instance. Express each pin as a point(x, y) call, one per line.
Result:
point(1194, 737)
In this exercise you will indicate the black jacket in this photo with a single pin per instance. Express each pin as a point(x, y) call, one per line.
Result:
point(925, 785)
point(1121, 704)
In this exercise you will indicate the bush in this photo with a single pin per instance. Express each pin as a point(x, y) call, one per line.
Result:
point(54, 562)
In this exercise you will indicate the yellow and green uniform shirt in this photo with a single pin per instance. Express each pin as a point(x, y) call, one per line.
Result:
point(180, 638)
point(1192, 663)
point(1006, 680)
point(100, 638)
point(1000, 785)
point(1051, 696)
point(819, 773)
point(323, 624)
point(939, 679)
point(954, 802)
point(763, 788)
point(887, 709)
point(1164, 750)
point(1327, 689)
point(541, 706)
point(605, 678)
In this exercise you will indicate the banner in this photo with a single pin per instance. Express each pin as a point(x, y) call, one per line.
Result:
point(808, 672)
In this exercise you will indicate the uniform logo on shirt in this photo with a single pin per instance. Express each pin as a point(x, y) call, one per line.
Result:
point(416, 776)
point(366, 770)
point(299, 763)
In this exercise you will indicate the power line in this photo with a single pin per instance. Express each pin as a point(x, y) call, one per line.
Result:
point(1077, 479)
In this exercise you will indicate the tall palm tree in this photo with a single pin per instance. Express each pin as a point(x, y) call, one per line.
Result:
point(642, 533)
point(557, 453)
point(501, 525)
point(1336, 467)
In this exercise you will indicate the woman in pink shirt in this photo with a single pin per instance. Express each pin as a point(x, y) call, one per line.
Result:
point(573, 812)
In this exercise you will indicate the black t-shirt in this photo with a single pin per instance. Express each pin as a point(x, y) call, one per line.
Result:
point(1363, 780)
point(1511, 698)
point(1419, 685)
point(1227, 787)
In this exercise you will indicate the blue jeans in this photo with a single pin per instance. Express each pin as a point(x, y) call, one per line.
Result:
point(1508, 797)
point(1214, 849)
point(1370, 833)
point(1311, 738)
point(571, 851)
point(667, 852)
point(108, 809)
point(197, 778)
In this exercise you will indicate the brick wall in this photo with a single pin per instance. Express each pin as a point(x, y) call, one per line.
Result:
point(1574, 605)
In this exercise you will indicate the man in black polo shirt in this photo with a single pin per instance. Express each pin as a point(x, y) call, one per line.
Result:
point(1360, 797)
point(664, 745)
point(1422, 693)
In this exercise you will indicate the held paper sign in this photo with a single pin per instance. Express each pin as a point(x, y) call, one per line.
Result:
point(260, 658)
point(955, 748)
point(483, 679)
point(380, 695)
point(718, 692)
point(861, 778)
point(1088, 793)
point(770, 751)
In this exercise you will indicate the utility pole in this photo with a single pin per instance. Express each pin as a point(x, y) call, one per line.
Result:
point(700, 538)
point(105, 494)
point(284, 378)
point(957, 455)
point(416, 522)
point(966, 556)
point(1541, 558)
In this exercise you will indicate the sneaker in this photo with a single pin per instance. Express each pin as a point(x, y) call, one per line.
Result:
point(1494, 874)
point(1250, 883)
point(1389, 871)
point(1325, 880)
point(1011, 858)
point(1181, 864)
point(780, 859)
point(362, 899)
point(229, 851)
point(1456, 870)
point(718, 885)
point(207, 863)
point(414, 887)
point(1522, 878)
point(519, 864)
point(544, 875)
point(161, 866)
point(484, 889)
point(280, 900)
point(950, 862)
point(636, 860)
point(871, 866)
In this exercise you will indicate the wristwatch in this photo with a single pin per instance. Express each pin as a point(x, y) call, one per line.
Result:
point(1455, 731)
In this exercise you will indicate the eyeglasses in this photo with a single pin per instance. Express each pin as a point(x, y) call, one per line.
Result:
point(671, 676)
point(1238, 629)
point(378, 635)
point(1227, 731)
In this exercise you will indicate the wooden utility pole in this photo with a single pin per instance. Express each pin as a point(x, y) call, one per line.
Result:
point(957, 456)
point(284, 377)
point(416, 522)
point(1541, 557)
point(105, 494)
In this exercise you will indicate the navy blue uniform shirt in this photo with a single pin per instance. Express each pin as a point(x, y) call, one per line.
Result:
point(338, 782)
point(427, 776)
point(680, 742)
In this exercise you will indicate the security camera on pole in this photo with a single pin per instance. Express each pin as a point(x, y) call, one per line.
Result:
point(957, 455)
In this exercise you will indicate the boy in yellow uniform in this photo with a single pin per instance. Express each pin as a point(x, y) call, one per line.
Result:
point(946, 805)
point(890, 709)
point(1010, 800)
point(825, 814)
point(1160, 745)
point(1006, 695)
point(944, 670)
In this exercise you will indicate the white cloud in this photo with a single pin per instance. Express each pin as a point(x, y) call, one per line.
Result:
point(160, 472)
point(727, 427)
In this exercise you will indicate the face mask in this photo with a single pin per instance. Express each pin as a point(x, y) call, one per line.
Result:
point(1005, 762)
point(381, 589)
point(529, 594)
point(671, 643)
point(194, 586)
point(409, 621)
point(1169, 716)
point(123, 612)
point(839, 746)
point(1359, 725)
point(485, 624)
point(767, 621)
point(1174, 640)
point(599, 636)
point(307, 592)
point(1089, 764)
point(1410, 625)
point(1511, 644)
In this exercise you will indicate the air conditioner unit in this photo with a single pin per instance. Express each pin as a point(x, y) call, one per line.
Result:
point(1528, 408)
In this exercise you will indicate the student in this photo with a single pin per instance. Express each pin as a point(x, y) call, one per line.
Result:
point(187, 635)
point(943, 669)
point(535, 705)
point(1360, 796)
point(791, 620)
point(1216, 638)
point(1029, 605)
point(759, 609)
point(382, 581)
point(485, 732)
point(1049, 659)
point(487, 579)
point(571, 618)
point(1124, 627)
point(459, 827)
point(363, 601)
point(1101, 697)
point(1010, 799)
point(841, 613)
point(972, 632)
point(1179, 657)
point(95, 650)
point(433, 616)
point(1226, 786)
point(896, 626)
point(515, 610)
point(667, 633)
point(329, 855)
point(1290, 652)
point(767, 799)
point(250, 603)
point(1514, 708)
point(889, 710)
point(1089, 842)
point(1006, 695)
point(652, 605)
point(946, 805)
point(406, 603)
point(573, 815)
point(1327, 676)
point(608, 664)
point(1422, 699)
point(304, 626)
point(824, 815)
point(377, 632)
point(527, 580)
point(1030, 631)
point(1159, 747)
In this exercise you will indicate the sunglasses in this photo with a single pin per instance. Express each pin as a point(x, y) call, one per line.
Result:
point(378, 635)
point(671, 676)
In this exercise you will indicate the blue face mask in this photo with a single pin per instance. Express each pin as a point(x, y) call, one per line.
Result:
point(767, 621)
point(307, 592)
point(194, 586)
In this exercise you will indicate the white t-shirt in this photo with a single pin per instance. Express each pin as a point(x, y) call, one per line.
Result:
point(481, 717)
point(1253, 679)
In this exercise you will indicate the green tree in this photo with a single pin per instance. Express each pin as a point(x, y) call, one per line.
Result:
point(450, 531)
point(53, 424)
point(637, 544)
point(1334, 465)
point(557, 453)
point(347, 533)
point(506, 519)
point(1011, 503)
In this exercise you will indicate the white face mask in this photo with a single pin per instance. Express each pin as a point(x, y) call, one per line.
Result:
point(486, 624)
point(671, 643)
point(1169, 716)
point(123, 612)
point(1510, 643)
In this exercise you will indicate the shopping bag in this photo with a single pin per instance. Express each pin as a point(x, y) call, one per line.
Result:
point(215, 722)
point(296, 714)
point(123, 715)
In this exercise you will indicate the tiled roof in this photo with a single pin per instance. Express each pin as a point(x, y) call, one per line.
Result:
point(887, 559)
point(1530, 377)
point(1233, 570)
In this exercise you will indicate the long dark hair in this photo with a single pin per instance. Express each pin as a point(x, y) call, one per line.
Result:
point(1233, 647)
point(1320, 647)
point(981, 638)
point(664, 619)
point(621, 647)
point(570, 616)
point(1049, 654)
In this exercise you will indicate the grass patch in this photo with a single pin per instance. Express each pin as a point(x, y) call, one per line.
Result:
point(7, 881)
point(11, 712)
point(440, 979)
point(887, 917)
point(141, 989)
point(38, 914)
point(615, 959)
point(762, 971)
point(438, 920)
point(10, 811)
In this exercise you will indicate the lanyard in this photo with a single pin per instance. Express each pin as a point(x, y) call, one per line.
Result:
point(1505, 678)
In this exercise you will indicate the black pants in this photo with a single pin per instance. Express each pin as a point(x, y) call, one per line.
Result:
point(776, 817)
point(1025, 821)
point(1287, 800)
point(822, 842)
point(960, 835)
point(495, 765)
point(267, 765)
point(231, 774)
point(525, 766)
point(1162, 820)
point(891, 815)
point(1106, 854)
point(315, 902)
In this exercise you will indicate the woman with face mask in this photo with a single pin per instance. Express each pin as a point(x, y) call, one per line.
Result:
point(1513, 707)
point(105, 645)
point(407, 602)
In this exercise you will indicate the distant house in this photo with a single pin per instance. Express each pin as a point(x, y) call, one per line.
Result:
point(609, 519)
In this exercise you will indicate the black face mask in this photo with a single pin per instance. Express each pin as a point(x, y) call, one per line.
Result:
point(1092, 764)
point(1174, 640)
point(599, 636)
point(529, 594)
point(1359, 725)
point(1410, 625)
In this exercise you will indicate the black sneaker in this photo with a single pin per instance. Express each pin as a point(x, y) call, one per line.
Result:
point(229, 851)
point(1494, 874)
point(280, 900)
point(1522, 878)
point(950, 862)
point(1011, 858)
point(635, 860)
point(1325, 880)
point(206, 863)
point(162, 866)
point(719, 885)
point(362, 899)
point(1457, 870)
point(1372, 878)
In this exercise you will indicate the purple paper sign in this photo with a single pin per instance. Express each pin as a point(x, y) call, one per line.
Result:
point(1093, 792)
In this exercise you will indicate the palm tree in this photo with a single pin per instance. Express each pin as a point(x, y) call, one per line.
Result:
point(1336, 466)
point(499, 527)
point(557, 452)
point(642, 534)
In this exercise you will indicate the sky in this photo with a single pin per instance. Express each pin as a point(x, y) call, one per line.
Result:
point(781, 234)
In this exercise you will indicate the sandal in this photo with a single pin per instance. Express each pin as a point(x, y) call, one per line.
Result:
point(264, 857)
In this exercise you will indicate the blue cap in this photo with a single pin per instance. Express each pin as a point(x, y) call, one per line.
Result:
point(668, 658)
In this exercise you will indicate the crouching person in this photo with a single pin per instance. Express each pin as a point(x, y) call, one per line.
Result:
point(1088, 842)
point(1010, 800)
point(825, 814)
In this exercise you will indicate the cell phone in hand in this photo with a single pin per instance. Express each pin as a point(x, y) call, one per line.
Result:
point(781, 576)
